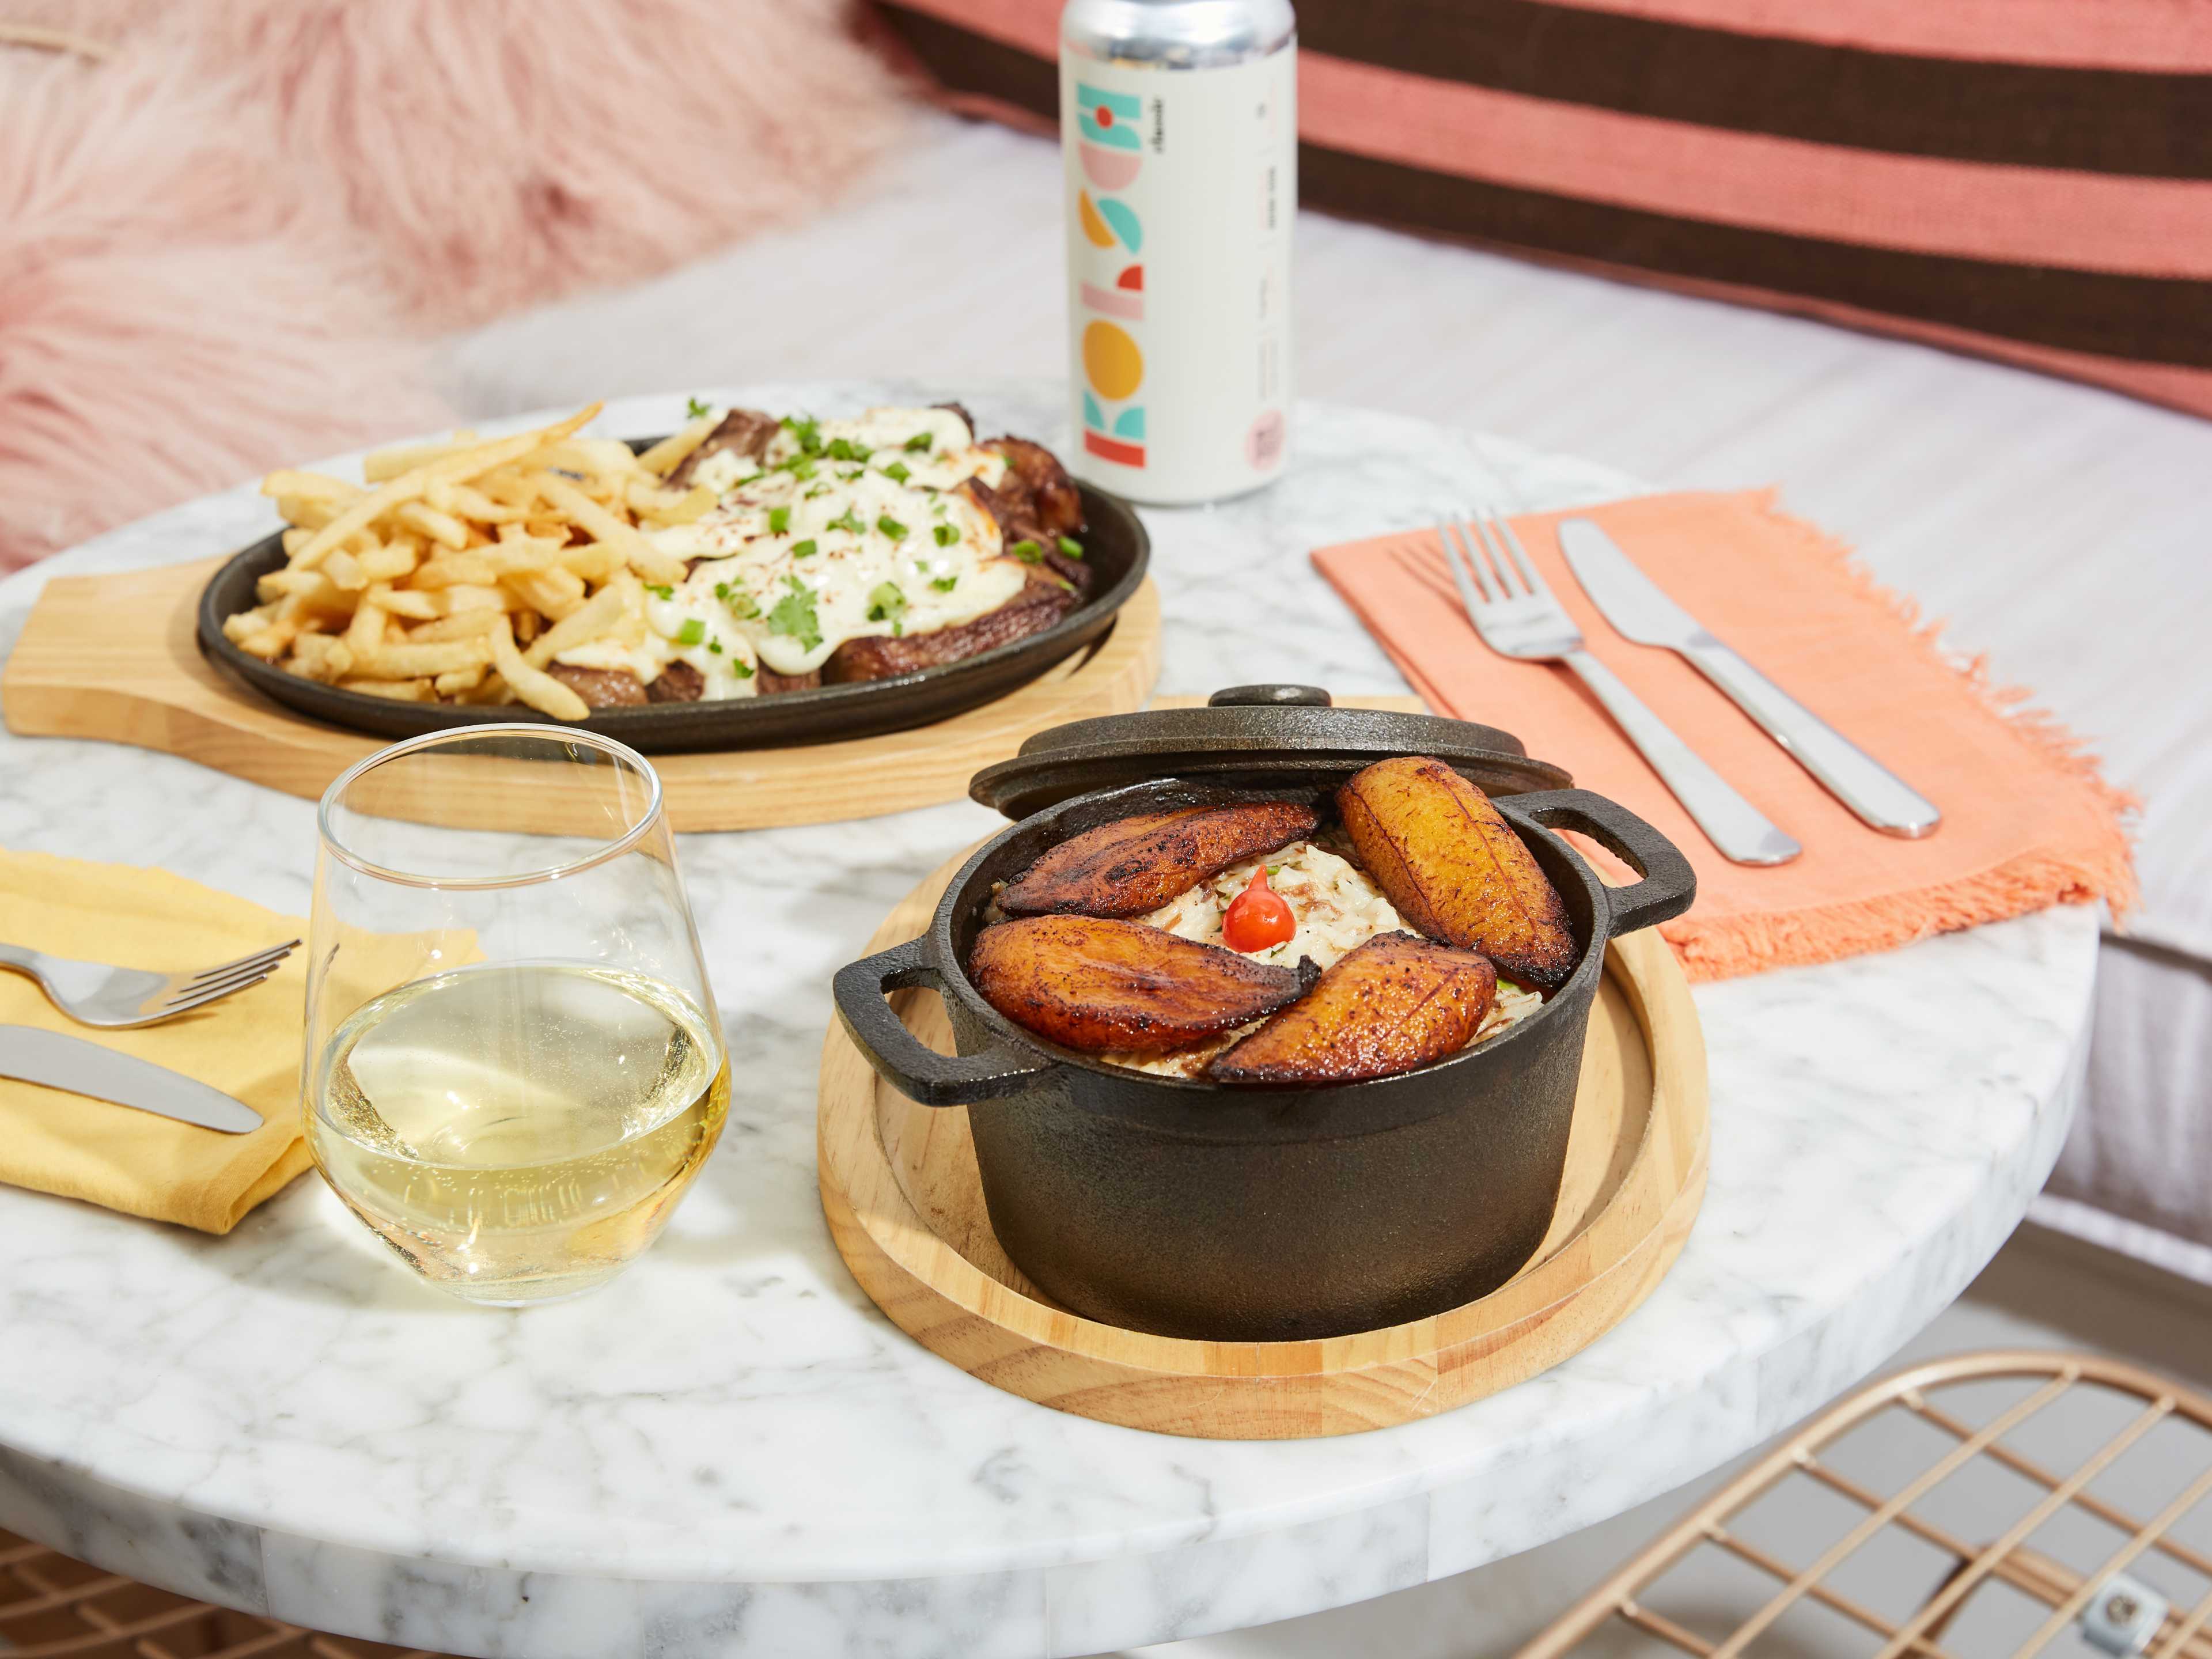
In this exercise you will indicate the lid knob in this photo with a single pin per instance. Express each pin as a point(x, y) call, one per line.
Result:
point(1278, 697)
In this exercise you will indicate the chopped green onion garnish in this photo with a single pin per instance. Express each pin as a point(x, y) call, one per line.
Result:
point(919, 444)
point(849, 520)
point(743, 671)
point(779, 520)
point(803, 430)
point(1027, 551)
point(660, 590)
point(887, 603)
point(891, 527)
point(692, 632)
point(945, 584)
point(1071, 547)
point(715, 646)
point(946, 534)
point(803, 549)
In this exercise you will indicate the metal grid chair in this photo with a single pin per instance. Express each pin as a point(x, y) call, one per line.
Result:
point(1902, 1472)
point(53, 1608)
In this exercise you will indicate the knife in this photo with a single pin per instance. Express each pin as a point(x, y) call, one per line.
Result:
point(35, 1055)
point(1636, 606)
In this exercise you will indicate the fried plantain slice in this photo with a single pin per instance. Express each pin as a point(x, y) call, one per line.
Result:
point(1441, 854)
point(1135, 865)
point(1089, 982)
point(1391, 1003)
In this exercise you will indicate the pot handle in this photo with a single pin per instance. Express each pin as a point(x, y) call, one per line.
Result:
point(920, 1073)
point(1668, 884)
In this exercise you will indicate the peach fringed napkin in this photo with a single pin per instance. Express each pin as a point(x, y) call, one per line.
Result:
point(246, 1045)
point(2027, 822)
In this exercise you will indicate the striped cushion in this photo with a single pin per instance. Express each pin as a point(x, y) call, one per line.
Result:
point(2029, 179)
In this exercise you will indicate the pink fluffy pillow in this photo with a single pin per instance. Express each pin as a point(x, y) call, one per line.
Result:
point(171, 321)
point(499, 153)
point(216, 248)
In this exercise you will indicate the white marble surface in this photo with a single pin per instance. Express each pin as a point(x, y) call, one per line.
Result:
point(730, 1453)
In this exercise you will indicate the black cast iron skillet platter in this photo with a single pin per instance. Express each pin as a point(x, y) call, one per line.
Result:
point(1115, 546)
point(1194, 1210)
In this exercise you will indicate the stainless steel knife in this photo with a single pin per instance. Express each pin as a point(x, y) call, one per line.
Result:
point(34, 1056)
point(1636, 607)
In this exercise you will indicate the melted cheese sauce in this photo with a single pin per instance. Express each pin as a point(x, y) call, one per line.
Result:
point(1336, 906)
point(841, 531)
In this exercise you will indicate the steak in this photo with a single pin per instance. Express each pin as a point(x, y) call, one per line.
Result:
point(1040, 603)
point(745, 432)
point(771, 682)
point(601, 688)
point(677, 682)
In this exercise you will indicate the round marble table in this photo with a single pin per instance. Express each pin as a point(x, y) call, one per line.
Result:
point(732, 1453)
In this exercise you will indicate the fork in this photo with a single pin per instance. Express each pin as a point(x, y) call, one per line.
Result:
point(1517, 616)
point(100, 993)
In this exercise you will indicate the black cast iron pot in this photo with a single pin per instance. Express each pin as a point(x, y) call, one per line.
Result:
point(1194, 1210)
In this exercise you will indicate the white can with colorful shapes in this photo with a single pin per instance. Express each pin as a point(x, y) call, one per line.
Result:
point(1179, 123)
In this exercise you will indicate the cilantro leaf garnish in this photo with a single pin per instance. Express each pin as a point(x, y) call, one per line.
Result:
point(919, 444)
point(743, 671)
point(660, 590)
point(803, 549)
point(696, 410)
point(891, 527)
point(897, 472)
point(945, 584)
point(793, 617)
point(847, 521)
point(804, 429)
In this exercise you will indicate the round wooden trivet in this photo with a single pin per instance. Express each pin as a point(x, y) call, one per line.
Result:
point(905, 1207)
point(115, 657)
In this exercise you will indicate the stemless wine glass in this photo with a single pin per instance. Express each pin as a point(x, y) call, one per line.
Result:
point(513, 1066)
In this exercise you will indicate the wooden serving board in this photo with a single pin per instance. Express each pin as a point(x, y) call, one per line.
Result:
point(905, 1206)
point(115, 658)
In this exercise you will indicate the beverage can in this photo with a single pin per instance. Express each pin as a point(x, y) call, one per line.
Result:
point(1179, 133)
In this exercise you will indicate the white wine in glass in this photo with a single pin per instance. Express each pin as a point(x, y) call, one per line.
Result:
point(514, 1096)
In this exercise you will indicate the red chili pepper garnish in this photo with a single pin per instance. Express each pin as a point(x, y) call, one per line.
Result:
point(1258, 917)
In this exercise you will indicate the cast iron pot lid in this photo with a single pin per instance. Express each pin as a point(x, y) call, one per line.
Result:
point(1270, 736)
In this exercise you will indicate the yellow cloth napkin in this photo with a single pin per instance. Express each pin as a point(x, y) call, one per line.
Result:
point(246, 1045)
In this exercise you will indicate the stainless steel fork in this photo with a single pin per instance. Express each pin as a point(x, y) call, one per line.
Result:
point(1516, 615)
point(100, 994)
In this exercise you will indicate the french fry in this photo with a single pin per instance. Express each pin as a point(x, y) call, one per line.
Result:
point(667, 507)
point(270, 642)
point(533, 685)
point(451, 569)
point(664, 457)
point(309, 486)
point(402, 602)
point(468, 625)
point(603, 525)
point(411, 660)
point(459, 466)
point(364, 634)
point(587, 622)
point(386, 463)
point(459, 679)
point(418, 691)
point(343, 570)
point(394, 559)
point(595, 562)
point(556, 592)
point(439, 527)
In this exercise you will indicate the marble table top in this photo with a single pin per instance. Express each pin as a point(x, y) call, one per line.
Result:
point(732, 1453)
